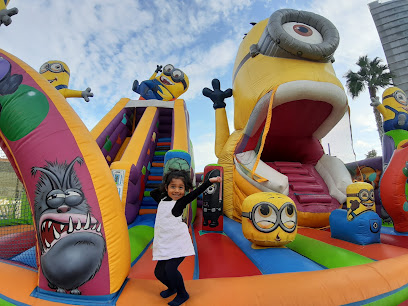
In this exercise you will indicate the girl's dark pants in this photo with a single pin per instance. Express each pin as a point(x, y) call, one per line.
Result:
point(167, 272)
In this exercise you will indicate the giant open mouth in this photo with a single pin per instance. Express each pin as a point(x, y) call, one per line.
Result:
point(54, 227)
point(166, 80)
point(302, 113)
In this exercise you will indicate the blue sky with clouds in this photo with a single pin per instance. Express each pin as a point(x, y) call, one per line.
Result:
point(109, 44)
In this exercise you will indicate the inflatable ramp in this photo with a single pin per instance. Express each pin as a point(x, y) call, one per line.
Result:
point(134, 138)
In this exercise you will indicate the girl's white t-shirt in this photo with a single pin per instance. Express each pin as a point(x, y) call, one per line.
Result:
point(171, 236)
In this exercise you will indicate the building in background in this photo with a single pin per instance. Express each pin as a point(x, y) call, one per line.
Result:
point(391, 20)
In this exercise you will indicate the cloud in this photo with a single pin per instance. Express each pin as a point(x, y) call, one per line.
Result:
point(108, 45)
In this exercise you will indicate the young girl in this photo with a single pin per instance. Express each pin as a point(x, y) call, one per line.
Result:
point(172, 241)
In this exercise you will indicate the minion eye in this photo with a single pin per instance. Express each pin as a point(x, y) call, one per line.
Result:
point(303, 32)
point(177, 73)
point(400, 97)
point(288, 217)
point(56, 67)
point(44, 68)
point(168, 68)
point(364, 195)
point(265, 217)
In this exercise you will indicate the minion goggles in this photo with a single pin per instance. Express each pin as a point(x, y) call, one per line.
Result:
point(55, 67)
point(363, 195)
point(176, 74)
point(399, 96)
point(278, 222)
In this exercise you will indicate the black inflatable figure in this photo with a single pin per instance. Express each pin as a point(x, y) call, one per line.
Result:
point(212, 200)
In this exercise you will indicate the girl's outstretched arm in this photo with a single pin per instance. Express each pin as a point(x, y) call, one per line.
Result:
point(156, 195)
point(182, 203)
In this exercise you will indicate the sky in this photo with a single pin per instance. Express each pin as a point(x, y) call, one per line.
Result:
point(109, 44)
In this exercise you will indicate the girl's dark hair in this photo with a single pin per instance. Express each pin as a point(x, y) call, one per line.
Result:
point(176, 174)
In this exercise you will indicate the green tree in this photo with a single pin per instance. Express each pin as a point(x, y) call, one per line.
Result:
point(371, 75)
point(371, 153)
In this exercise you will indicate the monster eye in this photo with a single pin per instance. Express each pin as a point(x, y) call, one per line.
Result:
point(265, 216)
point(400, 97)
point(303, 32)
point(211, 189)
point(288, 217)
point(73, 197)
point(177, 75)
point(55, 198)
point(44, 68)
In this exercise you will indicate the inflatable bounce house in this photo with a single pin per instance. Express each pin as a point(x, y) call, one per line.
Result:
point(86, 239)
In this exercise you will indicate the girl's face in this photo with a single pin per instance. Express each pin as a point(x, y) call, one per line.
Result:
point(176, 189)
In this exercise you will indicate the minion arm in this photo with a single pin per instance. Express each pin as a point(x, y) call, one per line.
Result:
point(158, 69)
point(70, 93)
point(377, 104)
point(5, 14)
point(221, 122)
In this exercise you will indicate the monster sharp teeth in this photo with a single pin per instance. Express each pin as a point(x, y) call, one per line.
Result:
point(99, 228)
point(62, 226)
point(56, 234)
point(47, 244)
point(70, 226)
point(43, 226)
point(49, 224)
point(93, 227)
point(79, 225)
point(88, 222)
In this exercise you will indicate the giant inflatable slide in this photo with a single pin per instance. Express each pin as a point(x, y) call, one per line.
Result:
point(257, 236)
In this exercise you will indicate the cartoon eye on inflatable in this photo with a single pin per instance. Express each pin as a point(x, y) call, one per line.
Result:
point(400, 97)
point(298, 34)
point(374, 226)
point(266, 217)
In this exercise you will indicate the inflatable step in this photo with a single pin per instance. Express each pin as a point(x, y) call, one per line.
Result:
point(293, 170)
point(159, 158)
point(301, 178)
point(164, 139)
point(156, 171)
point(163, 143)
point(153, 184)
point(154, 178)
point(306, 187)
point(148, 201)
point(287, 164)
point(157, 164)
point(163, 148)
point(159, 153)
point(313, 198)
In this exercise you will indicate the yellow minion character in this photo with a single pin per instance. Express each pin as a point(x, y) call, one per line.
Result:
point(269, 219)
point(5, 14)
point(360, 198)
point(394, 109)
point(57, 73)
point(169, 85)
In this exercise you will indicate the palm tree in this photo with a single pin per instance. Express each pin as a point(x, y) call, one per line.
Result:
point(372, 75)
